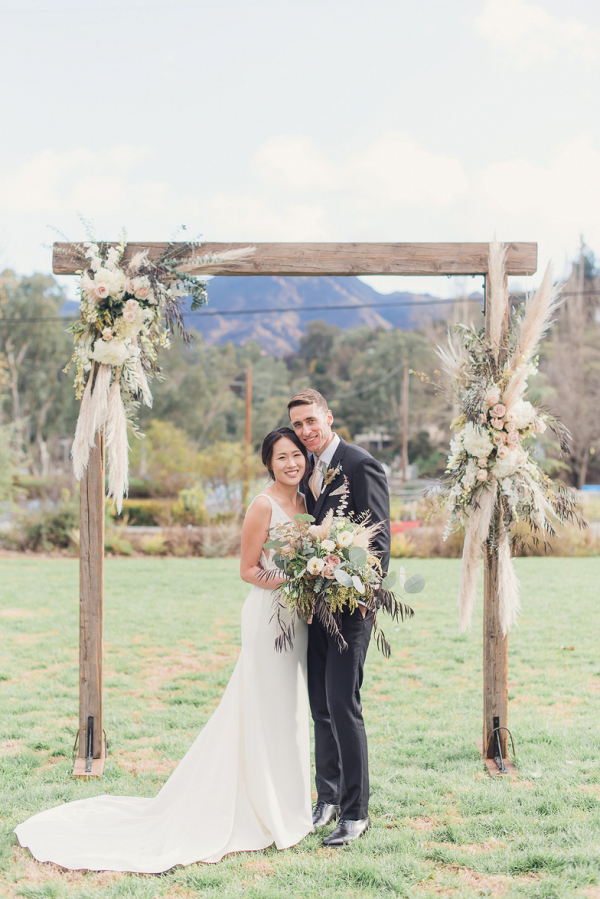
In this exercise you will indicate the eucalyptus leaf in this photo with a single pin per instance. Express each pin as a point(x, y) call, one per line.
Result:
point(304, 517)
point(415, 583)
point(390, 580)
point(273, 544)
point(357, 555)
point(279, 561)
point(342, 577)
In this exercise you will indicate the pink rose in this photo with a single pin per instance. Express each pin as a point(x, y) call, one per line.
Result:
point(512, 439)
point(499, 410)
point(142, 292)
point(331, 562)
point(510, 427)
point(497, 423)
point(101, 290)
point(492, 398)
point(130, 285)
point(107, 334)
point(129, 315)
point(482, 474)
point(500, 439)
point(503, 451)
point(482, 463)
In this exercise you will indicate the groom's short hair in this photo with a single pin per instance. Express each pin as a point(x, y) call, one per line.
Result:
point(306, 398)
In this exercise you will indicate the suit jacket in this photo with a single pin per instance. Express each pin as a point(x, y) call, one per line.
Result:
point(368, 492)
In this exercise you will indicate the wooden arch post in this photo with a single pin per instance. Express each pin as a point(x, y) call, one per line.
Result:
point(301, 260)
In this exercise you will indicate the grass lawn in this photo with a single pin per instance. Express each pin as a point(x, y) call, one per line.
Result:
point(440, 825)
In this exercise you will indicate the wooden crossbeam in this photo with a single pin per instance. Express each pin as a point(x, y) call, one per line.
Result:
point(304, 259)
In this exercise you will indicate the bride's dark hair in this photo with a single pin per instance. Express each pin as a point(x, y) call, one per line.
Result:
point(273, 437)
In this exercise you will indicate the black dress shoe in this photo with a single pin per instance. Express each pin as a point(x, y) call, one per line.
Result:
point(346, 831)
point(324, 813)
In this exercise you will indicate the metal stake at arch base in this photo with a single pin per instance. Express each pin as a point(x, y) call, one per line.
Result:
point(283, 259)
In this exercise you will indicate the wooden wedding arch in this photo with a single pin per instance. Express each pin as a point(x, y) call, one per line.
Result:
point(301, 260)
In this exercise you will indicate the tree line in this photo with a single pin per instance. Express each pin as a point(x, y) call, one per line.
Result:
point(200, 401)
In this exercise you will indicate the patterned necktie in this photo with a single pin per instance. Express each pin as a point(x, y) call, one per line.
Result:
point(314, 481)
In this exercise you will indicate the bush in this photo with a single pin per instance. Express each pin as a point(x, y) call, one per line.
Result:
point(116, 544)
point(49, 529)
point(147, 512)
point(190, 508)
point(153, 545)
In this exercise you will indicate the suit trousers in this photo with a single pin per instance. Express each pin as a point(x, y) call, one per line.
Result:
point(334, 682)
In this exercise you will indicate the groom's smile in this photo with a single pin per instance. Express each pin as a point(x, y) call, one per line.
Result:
point(313, 426)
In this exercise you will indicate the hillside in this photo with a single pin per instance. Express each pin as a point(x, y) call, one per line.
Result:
point(341, 301)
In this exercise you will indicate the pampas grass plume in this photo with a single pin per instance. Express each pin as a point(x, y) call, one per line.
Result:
point(117, 447)
point(92, 415)
point(537, 320)
point(478, 529)
point(508, 585)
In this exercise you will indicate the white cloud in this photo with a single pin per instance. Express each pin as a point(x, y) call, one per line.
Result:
point(254, 217)
point(393, 169)
point(79, 178)
point(532, 34)
point(561, 197)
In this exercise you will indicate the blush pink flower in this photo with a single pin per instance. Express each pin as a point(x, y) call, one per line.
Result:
point(510, 427)
point(503, 451)
point(513, 438)
point(497, 423)
point(500, 439)
point(492, 398)
point(142, 292)
point(499, 410)
point(482, 474)
point(107, 334)
point(101, 290)
point(331, 562)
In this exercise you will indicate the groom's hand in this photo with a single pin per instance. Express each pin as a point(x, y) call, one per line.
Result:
point(362, 610)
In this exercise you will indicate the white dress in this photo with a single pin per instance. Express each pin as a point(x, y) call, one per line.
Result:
point(243, 785)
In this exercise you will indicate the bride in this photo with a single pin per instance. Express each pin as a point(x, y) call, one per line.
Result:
point(245, 782)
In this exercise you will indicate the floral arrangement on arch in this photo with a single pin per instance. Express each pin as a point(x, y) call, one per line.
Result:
point(492, 478)
point(330, 567)
point(130, 306)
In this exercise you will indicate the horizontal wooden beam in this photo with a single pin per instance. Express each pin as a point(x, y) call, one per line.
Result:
point(305, 259)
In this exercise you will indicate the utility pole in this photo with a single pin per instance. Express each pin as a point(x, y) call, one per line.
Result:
point(247, 439)
point(404, 415)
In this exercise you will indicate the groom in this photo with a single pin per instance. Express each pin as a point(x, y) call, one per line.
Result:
point(334, 677)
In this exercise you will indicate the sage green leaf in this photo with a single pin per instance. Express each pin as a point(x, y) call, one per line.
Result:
point(415, 583)
point(303, 518)
point(273, 544)
point(390, 580)
point(279, 561)
point(357, 555)
point(342, 577)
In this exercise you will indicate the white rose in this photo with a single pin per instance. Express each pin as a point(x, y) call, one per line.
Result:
point(315, 565)
point(328, 545)
point(114, 352)
point(345, 539)
point(482, 474)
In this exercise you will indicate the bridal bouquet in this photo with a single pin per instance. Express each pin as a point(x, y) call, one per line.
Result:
point(130, 305)
point(330, 566)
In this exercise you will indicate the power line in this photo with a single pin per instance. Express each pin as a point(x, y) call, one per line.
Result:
point(66, 318)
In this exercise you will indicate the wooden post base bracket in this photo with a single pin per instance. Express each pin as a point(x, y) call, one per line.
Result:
point(97, 768)
point(492, 768)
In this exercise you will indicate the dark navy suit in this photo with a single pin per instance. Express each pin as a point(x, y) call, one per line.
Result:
point(334, 677)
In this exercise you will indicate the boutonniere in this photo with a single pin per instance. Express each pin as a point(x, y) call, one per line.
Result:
point(330, 474)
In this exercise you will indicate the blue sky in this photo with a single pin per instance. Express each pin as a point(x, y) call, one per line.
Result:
point(301, 120)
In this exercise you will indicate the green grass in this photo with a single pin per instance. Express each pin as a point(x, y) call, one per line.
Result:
point(440, 825)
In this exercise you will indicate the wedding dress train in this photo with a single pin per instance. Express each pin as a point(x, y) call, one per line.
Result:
point(243, 785)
